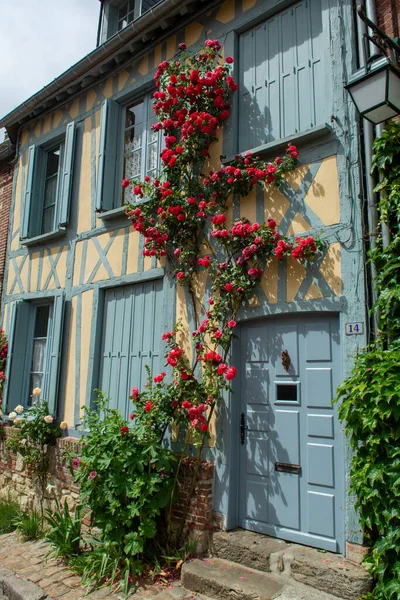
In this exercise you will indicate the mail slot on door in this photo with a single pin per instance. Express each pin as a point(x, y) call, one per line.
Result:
point(287, 468)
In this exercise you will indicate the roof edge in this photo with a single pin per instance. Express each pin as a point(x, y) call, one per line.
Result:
point(106, 50)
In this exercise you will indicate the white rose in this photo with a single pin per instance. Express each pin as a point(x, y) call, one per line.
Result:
point(19, 409)
point(48, 419)
point(36, 392)
point(63, 425)
point(12, 415)
point(23, 442)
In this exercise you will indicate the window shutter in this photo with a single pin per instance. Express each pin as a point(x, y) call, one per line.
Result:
point(66, 175)
point(54, 352)
point(28, 192)
point(288, 74)
point(17, 368)
point(107, 158)
point(247, 116)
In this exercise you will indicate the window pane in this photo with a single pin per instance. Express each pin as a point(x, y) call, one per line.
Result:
point(53, 160)
point(36, 381)
point(42, 320)
point(147, 4)
point(48, 219)
point(39, 352)
point(50, 191)
point(134, 115)
point(152, 157)
point(133, 163)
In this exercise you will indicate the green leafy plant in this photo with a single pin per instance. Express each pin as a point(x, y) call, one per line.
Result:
point(63, 531)
point(126, 481)
point(29, 525)
point(9, 509)
point(370, 397)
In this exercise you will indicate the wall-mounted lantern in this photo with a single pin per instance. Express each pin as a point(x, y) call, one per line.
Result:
point(375, 89)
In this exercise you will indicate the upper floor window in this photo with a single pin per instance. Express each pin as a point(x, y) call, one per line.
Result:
point(117, 14)
point(48, 183)
point(133, 153)
point(126, 14)
point(282, 76)
point(50, 190)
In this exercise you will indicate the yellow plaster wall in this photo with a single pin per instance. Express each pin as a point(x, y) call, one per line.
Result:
point(331, 268)
point(323, 195)
point(275, 204)
point(269, 281)
point(193, 33)
point(295, 275)
point(115, 253)
point(133, 252)
point(227, 12)
point(35, 262)
point(77, 263)
point(248, 207)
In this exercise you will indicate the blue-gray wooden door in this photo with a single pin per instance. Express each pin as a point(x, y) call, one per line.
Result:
point(292, 426)
point(132, 329)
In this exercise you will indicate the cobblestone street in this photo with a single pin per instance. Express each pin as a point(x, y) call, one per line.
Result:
point(28, 560)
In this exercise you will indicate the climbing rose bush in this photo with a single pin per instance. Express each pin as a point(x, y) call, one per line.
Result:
point(182, 215)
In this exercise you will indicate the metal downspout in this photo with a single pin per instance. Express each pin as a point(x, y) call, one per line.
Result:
point(368, 139)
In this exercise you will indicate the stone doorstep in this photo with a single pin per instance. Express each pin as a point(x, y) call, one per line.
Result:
point(224, 579)
point(325, 571)
point(17, 588)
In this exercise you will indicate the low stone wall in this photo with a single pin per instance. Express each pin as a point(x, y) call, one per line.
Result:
point(16, 481)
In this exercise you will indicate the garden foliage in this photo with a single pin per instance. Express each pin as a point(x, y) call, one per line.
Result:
point(370, 398)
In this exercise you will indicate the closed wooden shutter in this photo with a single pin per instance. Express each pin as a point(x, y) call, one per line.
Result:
point(107, 157)
point(281, 76)
point(54, 344)
point(66, 176)
point(132, 329)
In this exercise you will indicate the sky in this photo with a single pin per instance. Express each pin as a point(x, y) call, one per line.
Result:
point(39, 40)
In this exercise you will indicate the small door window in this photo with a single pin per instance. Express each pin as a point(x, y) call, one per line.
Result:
point(287, 392)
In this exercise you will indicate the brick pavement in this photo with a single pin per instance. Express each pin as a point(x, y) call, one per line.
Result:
point(28, 560)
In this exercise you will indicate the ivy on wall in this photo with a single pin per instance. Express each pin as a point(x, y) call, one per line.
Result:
point(370, 397)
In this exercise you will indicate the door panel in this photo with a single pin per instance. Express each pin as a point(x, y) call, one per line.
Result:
point(291, 470)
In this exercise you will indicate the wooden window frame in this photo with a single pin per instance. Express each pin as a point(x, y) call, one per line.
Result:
point(35, 179)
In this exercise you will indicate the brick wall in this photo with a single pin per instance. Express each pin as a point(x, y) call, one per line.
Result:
point(16, 481)
point(388, 12)
point(6, 178)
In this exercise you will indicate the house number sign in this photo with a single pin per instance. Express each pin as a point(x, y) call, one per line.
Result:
point(354, 328)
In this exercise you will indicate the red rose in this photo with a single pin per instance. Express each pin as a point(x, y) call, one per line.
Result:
point(186, 404)
point(132, 416)
point(180, 275)
point(182, 46)
point(229, 287)
point(229, 60)
point(135, 392)
point(204, 427)
point(231, 324)
point(125, 183)
point(147, 406)
point(124, 430)
point(230, 373)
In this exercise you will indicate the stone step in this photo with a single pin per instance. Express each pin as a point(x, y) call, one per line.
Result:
point(223, 579)
point(325, 571)
point(247, 548)
point(329, 572)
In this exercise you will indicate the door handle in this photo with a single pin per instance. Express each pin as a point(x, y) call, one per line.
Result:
point(243, 428)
